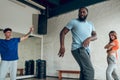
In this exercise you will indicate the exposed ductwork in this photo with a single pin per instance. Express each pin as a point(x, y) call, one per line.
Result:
point(53, 8)
point(35, 4)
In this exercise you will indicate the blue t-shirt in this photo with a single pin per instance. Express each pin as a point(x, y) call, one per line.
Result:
point(80, 32)
point(9, 49)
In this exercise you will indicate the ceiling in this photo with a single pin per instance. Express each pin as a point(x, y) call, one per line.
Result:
point(57, 7)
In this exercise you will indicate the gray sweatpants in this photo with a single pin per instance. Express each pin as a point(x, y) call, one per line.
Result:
point(6, 66)
point(83, 59)
point(111, 73)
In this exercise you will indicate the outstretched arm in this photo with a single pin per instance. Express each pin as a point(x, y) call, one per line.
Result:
point(62, 37)
point(92, 38)
point(26, 35)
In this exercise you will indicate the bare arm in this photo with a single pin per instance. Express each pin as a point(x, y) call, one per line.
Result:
point(92, 38)
point(109, 46)
point(62, 37)
point(26, 35)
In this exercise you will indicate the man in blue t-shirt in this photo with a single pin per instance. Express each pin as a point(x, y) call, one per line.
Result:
point(83, 32)
point(9, 53)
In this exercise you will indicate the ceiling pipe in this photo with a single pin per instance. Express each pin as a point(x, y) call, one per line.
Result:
point(35, 4)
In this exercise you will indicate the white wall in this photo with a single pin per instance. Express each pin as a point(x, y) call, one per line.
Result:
point(18, 17)
point(105, 17)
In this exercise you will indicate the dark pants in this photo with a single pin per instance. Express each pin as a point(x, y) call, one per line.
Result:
point(83, 59)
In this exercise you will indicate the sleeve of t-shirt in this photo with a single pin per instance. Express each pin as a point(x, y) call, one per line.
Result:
point(116, 42)
point(70, 24)
point(17, 39)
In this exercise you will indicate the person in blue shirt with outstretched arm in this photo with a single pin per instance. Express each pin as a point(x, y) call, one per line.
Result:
point(9, 53)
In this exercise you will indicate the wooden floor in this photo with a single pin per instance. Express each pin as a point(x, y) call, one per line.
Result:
point(49, 78)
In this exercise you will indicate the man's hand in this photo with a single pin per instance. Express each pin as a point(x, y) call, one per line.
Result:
point(61, 52)
point(27, 35)
point(31, 29)
point(86, 42)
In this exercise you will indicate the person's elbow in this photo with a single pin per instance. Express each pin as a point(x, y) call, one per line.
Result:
point(96, 38)
point(93, 38)
point(62, 33)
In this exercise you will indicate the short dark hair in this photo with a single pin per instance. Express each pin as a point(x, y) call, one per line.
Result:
point(82, 8)
point(7, 29)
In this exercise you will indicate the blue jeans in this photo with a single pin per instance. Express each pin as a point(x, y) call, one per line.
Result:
point(83, 59)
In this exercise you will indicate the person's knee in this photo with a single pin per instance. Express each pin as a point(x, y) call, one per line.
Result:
point(108, 72)
point(92, 70)
point(89, 71)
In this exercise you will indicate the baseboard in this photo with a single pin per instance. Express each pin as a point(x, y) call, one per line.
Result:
point(62, 77)
point(23, 77)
